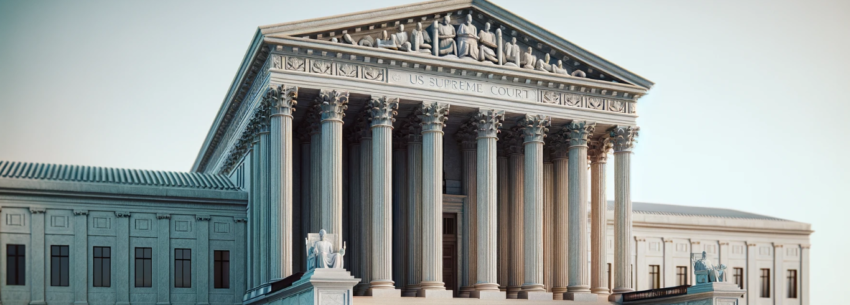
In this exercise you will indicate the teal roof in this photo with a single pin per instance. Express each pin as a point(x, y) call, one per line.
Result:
point(94, 174)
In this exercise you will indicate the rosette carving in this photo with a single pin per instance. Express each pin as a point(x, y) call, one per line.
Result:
point(534, 127)
point(433, 116)
point(623, 137)
point(578, 132)
point(333, 104)
point(382, 110)
point(488, 123)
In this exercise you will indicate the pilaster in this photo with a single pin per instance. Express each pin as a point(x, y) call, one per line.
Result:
point(202, 244)
point(486, 125)
point(641, 282)
point(779, 289)
point(333, 106)
point(281, 102)
point(622, 138)
point(577, 132)
point(669, 266)
point(598, 152)
point(433, 116)
point(122, 258)
point(752, 274)
point(81, 268)
point(37, 253)
point(413, 134)
point(534, 129)
point(805, 274)
point(382, 111)
point(239, 273)
point(559, 151)
point(163, 259)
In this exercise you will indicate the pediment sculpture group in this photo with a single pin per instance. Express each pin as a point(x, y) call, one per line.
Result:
point(706, 272)
point(464, 42)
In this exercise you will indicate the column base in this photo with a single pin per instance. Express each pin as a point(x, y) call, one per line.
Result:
point(488, 295)
point(558, 293)
point(600, 291)
point(410, 291)
point(436, 294)
point(465, 292)
point(362, 289)
point(580, 296)
point(384, 293)
point(535, 295)
point(513, 292)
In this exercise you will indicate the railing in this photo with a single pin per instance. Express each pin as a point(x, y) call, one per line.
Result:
point(655, 293)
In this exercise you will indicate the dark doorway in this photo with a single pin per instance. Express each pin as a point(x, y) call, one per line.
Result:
point(450, 252)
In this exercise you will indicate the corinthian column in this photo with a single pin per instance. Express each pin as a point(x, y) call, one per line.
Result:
point(382, 112)
point(433, 118)
point(333, 106)
point(598, 150)
point(534, 129)
point(354, 187)
point(413, 132)
point(282, 100)
point(314, 119)
point(579, 286)
point(504, 210)
point(623, 138)
point(264, 188)
point(365, 246)
point(560, 208)
point(487, 124)
point(516, 174)
point(466, 136)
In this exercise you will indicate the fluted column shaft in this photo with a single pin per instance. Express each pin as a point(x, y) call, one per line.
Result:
point(333, 107)
point(560, 210)
point(578, 185)
point(281, 101)
point(548, 222)
point(254, 220)
point(265, 207)
point(356, 206)
point(414, 205)
point(306, 186)
point(534, 128)
point(598, 151)
point(467, 136)
point(400, 225)
point(365, 247)
point(622, 139)
point(315, 177)
point(487, 128)
point(504, 222)
point(433, 118)
point(382, 111)
point(515, 260)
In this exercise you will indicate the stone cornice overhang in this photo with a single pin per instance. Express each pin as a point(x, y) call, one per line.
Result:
point(83, 190)
point(717, 224)
point(542, 79)
point(718, 228)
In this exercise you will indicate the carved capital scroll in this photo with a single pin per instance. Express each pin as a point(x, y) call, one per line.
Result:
point(433, 116)
point(559, 145)
point(333, 104)
point(534, 127)
point(623, 137)
point(488, 123)
point(578, 132)
point(513, 140)
point(598, 149)
point(412, 128)
point(282, 99)
point(382, 111)
point(466, 135)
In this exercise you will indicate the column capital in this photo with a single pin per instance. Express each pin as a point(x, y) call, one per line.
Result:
point(37, 210)
point(411, 128)
point(122, 214)
point(623, 137)
point(382, 111)
point(559, 145)
point(513, 141)
point(261, 119)
point(81, 212)
point(578, 132)
point(333, 104)
point(598, 149)
point(534, 127)
point(466, 135)
point(362, 126)
point(203, 217)
point(488, 122)
point(240, 219)
point(282, 99)
point(433, 116)
point(163, 216)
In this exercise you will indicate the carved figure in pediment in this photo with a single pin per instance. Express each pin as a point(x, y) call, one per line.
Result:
point(528, 59)
point(467, 40)
point(512, 53)
point(397, 41)
point(420, 40)
point(444, 34)
point(346, 38)
point(559, 68)
point(579, 73)
point(543, 64)
point(487, 44)
point(366, 41)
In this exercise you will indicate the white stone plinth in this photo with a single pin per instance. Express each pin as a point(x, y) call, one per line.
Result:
point(488, 295)
point(580, 296)
point(714, 286)
point(323, 286)
point(435, 293)
point(385, 293)
point(535, 295)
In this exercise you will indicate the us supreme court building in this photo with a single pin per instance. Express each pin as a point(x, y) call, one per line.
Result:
point(453, 149)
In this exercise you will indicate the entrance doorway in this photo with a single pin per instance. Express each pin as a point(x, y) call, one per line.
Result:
point(450, 252)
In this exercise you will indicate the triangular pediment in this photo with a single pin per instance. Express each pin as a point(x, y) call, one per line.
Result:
point(365, 29)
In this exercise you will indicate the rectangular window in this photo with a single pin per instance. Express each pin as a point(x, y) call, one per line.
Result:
point(222, 269)
point(654, 276)
point(739, 277)
point(144, 267)
point(59, 266)
point(792, 284)
point(681, 275)
point(182, 268)
point(765, 283)
point(16, 265)
point(102, 267)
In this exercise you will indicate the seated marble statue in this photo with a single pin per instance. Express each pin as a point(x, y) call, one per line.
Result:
point(320, 253)
point(720, 273)
point(467, 40)
point(559, 68)
point(445, 36)
point(543, 64)
point(397, 41)
point(528, 59)
point(487, 45)
point(704, 270)
point(512, 53)
point(420, 40)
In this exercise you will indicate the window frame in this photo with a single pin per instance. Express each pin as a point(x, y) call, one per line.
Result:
point(60, 266)
point(764, 277)
point(146, 260)
point(182, 264)
point(221, 269)
point(655, 276)
point(16, 260)
point(101, 266)
point(739, 277)
point(681, 275)
point(791, 279)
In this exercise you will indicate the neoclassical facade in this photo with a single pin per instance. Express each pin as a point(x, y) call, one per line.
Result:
point(457, 150)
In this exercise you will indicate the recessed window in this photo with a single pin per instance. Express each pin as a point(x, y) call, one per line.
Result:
point(681, 275)
point(739, 277)
point(144, 267)
point(222, 269)
point(16, 265)
point(182, 268)
point(792, 284)
point(59, 266)
point(102, 268)
point(654, 276)
point(765, 283)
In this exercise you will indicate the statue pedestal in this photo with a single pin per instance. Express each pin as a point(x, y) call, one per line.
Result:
point(322, 286)
point(488, 295)
point(384, 293)
point(714, 286)
point(713, 293)
point(535, 295)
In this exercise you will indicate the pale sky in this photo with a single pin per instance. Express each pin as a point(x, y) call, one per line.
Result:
point(747, 112)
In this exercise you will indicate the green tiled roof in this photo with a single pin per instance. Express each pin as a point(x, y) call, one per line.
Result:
point(94, 174)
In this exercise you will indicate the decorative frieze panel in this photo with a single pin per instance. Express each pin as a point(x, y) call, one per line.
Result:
point(101, 223)
point(588, 102)
point(143, 225)
point(182, 226)
point(222, 228)
point(59, 222)
point(328, 67)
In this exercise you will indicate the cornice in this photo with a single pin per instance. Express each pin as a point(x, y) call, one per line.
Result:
point(713, 228)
